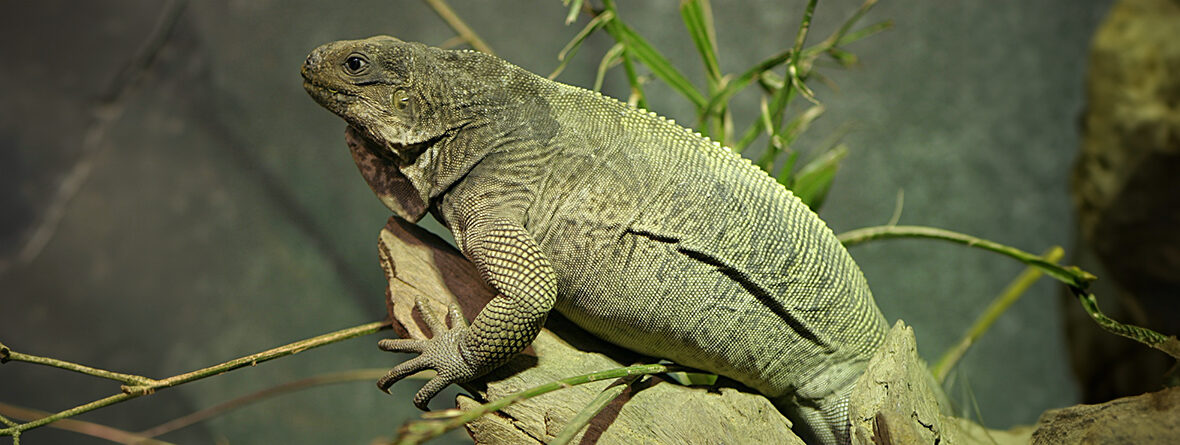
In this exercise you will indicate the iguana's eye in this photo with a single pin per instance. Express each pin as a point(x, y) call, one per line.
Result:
point(402, 101)
point(356, 64)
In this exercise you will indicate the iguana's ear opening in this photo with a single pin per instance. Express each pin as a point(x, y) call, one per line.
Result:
point(384, 177)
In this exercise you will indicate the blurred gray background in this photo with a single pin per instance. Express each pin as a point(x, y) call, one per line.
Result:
point(166, 206)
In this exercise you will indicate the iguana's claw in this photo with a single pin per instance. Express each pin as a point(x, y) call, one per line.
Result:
point(440, 353)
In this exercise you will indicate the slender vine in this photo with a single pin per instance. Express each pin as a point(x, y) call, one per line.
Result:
point(137, 386)
point(440, 422)
point(1075, 278)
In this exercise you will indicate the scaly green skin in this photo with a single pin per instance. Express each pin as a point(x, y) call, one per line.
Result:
point(638, 230)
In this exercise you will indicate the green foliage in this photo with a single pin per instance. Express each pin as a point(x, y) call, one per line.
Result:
point(810, 181)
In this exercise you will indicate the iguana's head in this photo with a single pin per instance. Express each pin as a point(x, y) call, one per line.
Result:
point(406, 95)
point(377, 86)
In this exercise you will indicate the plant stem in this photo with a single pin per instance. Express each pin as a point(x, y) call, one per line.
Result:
point(237, 402)
point(7, 355)
point(448, 15)
point(1076, 279)
point(604, 398)
point(141, 389)
point(82, 427)
point(421, 430)
point(989, 316)
point(1070, 275)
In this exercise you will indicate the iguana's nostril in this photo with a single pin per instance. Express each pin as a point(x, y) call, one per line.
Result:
point(313, 59)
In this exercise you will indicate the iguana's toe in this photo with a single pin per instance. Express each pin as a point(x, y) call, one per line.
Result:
point(428, 392)
point(440, 353)
point(400, 371)
point(402, 345)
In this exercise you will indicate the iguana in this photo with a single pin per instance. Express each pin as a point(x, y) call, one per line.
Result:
point(640, 231)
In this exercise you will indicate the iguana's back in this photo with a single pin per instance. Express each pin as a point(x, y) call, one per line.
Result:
point(668, 244)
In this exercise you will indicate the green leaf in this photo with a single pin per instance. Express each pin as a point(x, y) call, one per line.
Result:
point(613, 28)
point(693, 378)
point(720, 98)
point(659, 65)
point(570, 48)
point(785, 174)
point(636, 98)
point(800, 123)
point(699, 21)
point(770, 82)
point(780, 98)
point(844, 58)
point(574, 8)
point(814, 179)
point(764, 119)
point(782, 139)
point(865, 32)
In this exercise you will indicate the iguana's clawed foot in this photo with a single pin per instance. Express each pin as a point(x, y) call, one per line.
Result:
point(440, 353)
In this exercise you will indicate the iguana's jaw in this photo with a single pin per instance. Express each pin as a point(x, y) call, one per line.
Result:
point(342, 102)
point(335, 100)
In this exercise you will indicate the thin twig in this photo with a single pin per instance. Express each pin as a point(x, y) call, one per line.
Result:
point(7, 355)
point(147, 436)
point(238, 402)
point(448, 15)
point(137, 390)
point(82, 427)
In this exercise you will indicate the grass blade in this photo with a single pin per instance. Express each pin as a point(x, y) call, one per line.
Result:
point(656, 62)
point(718, 99)
point(574, 8)
point(814, 179)
point(865, 32)
point(659, 65)
point(989, 316)
point(571, 48)
point(609, 60)
point(698, 20)
point(782, 139)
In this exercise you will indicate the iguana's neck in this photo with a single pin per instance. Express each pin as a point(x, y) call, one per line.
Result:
point(509, 125)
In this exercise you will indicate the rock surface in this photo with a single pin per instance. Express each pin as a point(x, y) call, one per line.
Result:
point(1144, 419)
point(1124, 191)
point(897, 401)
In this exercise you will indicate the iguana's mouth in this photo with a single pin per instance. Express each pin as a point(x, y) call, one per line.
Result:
point(324, 92)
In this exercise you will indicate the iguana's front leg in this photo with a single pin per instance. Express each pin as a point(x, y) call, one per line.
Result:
point(508, 258)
